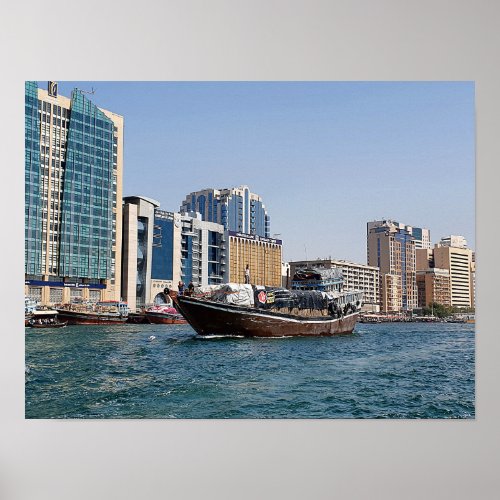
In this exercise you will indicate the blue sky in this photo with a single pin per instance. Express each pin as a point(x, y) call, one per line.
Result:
point(326, 157)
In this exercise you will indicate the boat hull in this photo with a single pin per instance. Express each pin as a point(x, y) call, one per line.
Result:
point(210, 318)
point(164, 319)
point(78, 318)
point(50, 325)
point(137, 318)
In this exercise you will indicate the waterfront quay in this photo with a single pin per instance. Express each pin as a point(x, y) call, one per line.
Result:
point(393, 370)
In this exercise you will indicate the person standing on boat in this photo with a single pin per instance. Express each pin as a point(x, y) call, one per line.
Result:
point(181, 287)
point(190, 289)
point(247, 275)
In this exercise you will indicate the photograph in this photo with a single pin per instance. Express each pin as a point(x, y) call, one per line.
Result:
point(250, 249)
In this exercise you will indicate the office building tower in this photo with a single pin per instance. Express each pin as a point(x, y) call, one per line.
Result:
point(73, 179)
point(203, 251)
point(236, 209)
point(149, 242)
point(391, 248)
point(458, 261)
point(453, 241)
point(262, 255)
point(356, 277)
point(433, 286)
point(421, 235)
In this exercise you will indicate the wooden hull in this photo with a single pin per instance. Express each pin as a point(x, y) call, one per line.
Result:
point(211, 318)
point(137, 318)
point(50, 325)
point(164, 319)
point(79, 318)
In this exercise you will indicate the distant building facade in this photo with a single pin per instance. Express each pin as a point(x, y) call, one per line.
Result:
point(455, 241)
point(262, 255)
point(453, 259)
point(236, 209)
point(391, 248)
point(203, 251)
point(422, 236)
point(138, 242)
point(458, 261)
point(162, 248)
point(433, 287)
point(356, 277)
point(73, 187)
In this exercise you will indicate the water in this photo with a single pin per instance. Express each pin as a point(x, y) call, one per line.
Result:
point(398, 370)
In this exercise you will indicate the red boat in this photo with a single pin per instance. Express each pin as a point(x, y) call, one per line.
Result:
point(164, 315)
point(102, 313)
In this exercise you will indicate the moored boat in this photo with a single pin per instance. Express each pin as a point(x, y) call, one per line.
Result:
point(57, 324)
point(164, 315)
point(29, 307)
point(101, 313)
point(316, 306)
point(138, 318)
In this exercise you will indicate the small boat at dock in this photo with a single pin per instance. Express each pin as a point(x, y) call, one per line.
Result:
point(138, 318)
point(164, 315)
point(100, 313)
point(57, 324)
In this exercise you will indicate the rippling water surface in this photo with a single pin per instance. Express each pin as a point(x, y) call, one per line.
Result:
point(399, 370)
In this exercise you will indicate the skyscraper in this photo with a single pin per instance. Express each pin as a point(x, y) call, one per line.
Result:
point(237, 209)
point(421, 235)
point(73, 179)
point(458, 261)
point(391, 248)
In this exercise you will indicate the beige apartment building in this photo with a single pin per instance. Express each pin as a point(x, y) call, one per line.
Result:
point(263, 256)
point(356, 277)
point(433, 287)
point(458, 261)
point(73, 185)
point(391, 248)
point(447, 266)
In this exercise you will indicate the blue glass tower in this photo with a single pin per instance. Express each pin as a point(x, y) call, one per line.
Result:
point(86, 226)
point(32, 201)
point(237, 209)
point(73, 162)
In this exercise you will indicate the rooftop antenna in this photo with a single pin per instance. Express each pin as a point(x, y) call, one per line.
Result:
point(305, 251)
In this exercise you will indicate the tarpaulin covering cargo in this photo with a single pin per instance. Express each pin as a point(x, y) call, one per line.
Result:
point(281, 298)
point(234, 293)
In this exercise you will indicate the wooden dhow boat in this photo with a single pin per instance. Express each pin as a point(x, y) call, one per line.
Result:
point(100, 313)
point(316, 306)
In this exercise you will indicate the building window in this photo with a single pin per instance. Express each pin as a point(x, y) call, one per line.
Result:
point(56, 295)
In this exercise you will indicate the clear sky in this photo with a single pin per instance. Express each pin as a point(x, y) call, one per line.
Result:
point(326, 157)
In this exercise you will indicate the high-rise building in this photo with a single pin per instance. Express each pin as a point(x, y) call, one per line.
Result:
point(203, 258)
point(433, 287)
point(391, 248)
point(421, 235)
point(149, 243)
point(449, 264)
point(262, 255)
point(458, 261)
point(162, 248)
point(453, 241)
point(237, 209)
point(356, 277)
point(473, 280)
point(73, 179)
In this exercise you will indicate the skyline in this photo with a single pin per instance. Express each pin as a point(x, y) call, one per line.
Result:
point(392, 144)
